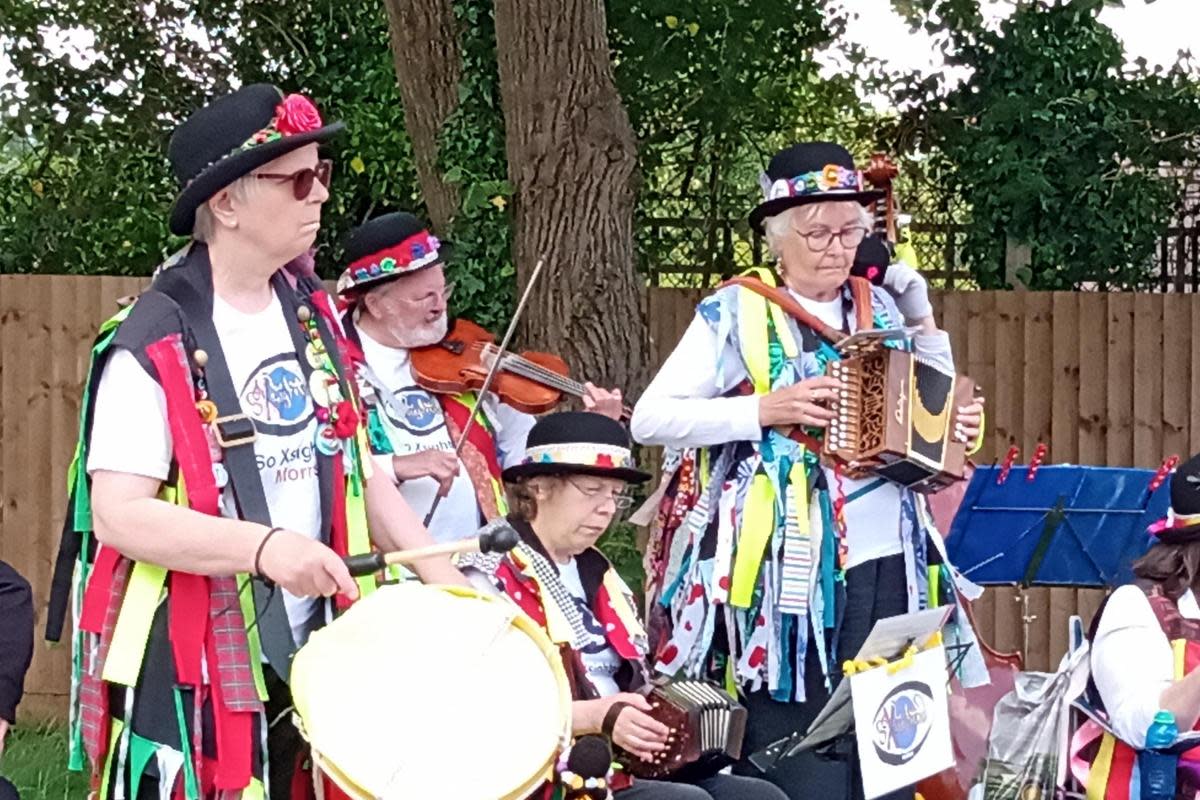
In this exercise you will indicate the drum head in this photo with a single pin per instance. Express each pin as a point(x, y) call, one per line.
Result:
point(421, 691)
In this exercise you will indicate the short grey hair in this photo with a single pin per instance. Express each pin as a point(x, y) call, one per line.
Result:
point(778, 226)
point(242, 190)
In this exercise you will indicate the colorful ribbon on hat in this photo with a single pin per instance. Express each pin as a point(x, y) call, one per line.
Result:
point(833, 177)
point(581, 454)
point(1174, 521)
point(418, 250)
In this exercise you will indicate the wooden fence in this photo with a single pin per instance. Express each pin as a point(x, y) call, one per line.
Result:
point(46, 328)
point(1102, 378)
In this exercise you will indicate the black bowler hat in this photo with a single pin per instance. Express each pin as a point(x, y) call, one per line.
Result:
point(810, 172)
point(872, 258)
point(385, 248)
point(1182, 523)
point(234, 135)
point(577, 443)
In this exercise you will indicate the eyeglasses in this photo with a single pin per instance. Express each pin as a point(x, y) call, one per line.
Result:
point(620, 499)
point(819, 240)
point(430, 297)
point(302, 179)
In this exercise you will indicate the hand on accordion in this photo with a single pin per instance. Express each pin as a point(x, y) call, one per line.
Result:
point(628, 723)
point(968, 421)
point(805, 403)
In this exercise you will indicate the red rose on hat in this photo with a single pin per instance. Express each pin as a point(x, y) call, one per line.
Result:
point(296, 114)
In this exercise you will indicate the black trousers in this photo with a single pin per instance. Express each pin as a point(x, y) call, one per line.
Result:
point(7, 790)
point(874, 590)
point(716, 787)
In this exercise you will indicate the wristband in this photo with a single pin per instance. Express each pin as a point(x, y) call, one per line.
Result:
point(258, 554)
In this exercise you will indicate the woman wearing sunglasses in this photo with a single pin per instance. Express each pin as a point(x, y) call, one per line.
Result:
point(766, 566)
point(219, 441)
point(564, 493)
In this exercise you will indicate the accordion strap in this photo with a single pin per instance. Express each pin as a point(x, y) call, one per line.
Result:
point(860, 290)
point(610, 718)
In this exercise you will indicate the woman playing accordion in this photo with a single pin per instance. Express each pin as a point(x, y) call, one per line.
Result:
point(563, 496)
point(766, 567)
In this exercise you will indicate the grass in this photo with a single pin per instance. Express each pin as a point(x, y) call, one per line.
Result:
point(35, 760)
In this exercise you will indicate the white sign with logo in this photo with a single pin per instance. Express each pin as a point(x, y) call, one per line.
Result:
point(902, 723)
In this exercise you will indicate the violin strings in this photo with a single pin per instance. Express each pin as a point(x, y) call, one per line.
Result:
point(529, 369)
point(538, 373)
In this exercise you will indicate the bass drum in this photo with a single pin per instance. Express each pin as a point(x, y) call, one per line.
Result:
point(424, 691)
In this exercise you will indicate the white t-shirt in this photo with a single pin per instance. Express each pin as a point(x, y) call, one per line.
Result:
point(423, 427)
point(600, 660)
point(130, 432)
point(1133, 662)
point(872, 524)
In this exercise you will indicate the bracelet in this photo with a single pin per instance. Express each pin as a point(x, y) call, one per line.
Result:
point(258, 554)
point(610, 719)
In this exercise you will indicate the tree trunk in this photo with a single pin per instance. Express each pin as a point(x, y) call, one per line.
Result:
point(572, 160)
point(428, 65)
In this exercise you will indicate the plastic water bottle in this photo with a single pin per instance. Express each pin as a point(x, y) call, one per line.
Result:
point(1157, 767)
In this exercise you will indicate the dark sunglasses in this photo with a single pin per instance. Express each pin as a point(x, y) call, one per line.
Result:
point(302, 179)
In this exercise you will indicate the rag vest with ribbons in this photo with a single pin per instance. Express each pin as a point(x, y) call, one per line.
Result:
point(167, 665)
point(747, 548)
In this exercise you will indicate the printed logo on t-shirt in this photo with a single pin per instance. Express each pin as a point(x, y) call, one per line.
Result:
point(276, 396)
point(422, 414)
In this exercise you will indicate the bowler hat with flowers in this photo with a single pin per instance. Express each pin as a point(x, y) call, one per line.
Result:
point(385, 248)
point(810, 172)
point(234, 135)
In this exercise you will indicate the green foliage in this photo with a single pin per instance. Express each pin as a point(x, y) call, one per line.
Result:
point(1052, 141)
point(620, 544)
point(471, 156)
point(85, 186)
point(714, 89)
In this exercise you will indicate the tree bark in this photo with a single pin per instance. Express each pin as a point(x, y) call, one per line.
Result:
point(572, 160)
point(428, 63)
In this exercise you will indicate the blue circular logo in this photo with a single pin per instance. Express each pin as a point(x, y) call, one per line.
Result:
point(422, 414)
point(903, 722)
point(276, 396)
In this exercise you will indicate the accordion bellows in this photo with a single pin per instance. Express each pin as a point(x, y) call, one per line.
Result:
point(708, 724)
point(895, 418)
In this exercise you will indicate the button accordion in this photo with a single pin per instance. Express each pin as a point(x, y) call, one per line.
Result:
point(895, 417)
point(708, 727)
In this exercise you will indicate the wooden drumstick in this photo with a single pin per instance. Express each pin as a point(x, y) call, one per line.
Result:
point(498, 540)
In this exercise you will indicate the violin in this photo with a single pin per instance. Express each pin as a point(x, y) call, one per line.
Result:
point(529, 381)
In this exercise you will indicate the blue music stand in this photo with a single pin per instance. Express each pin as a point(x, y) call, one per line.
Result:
point(1069, 526)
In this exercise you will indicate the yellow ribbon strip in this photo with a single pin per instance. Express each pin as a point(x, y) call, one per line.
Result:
point(254, 645)
point(132, 632)
point(752, 333)
point(758, 525)
point(358, 538)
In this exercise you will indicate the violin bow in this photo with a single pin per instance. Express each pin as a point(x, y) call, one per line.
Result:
point(487, 381)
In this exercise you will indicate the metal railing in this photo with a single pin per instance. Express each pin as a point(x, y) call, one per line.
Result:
point(699, 253)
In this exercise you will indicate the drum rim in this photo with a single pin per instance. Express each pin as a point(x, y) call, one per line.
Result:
point(522, 622)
